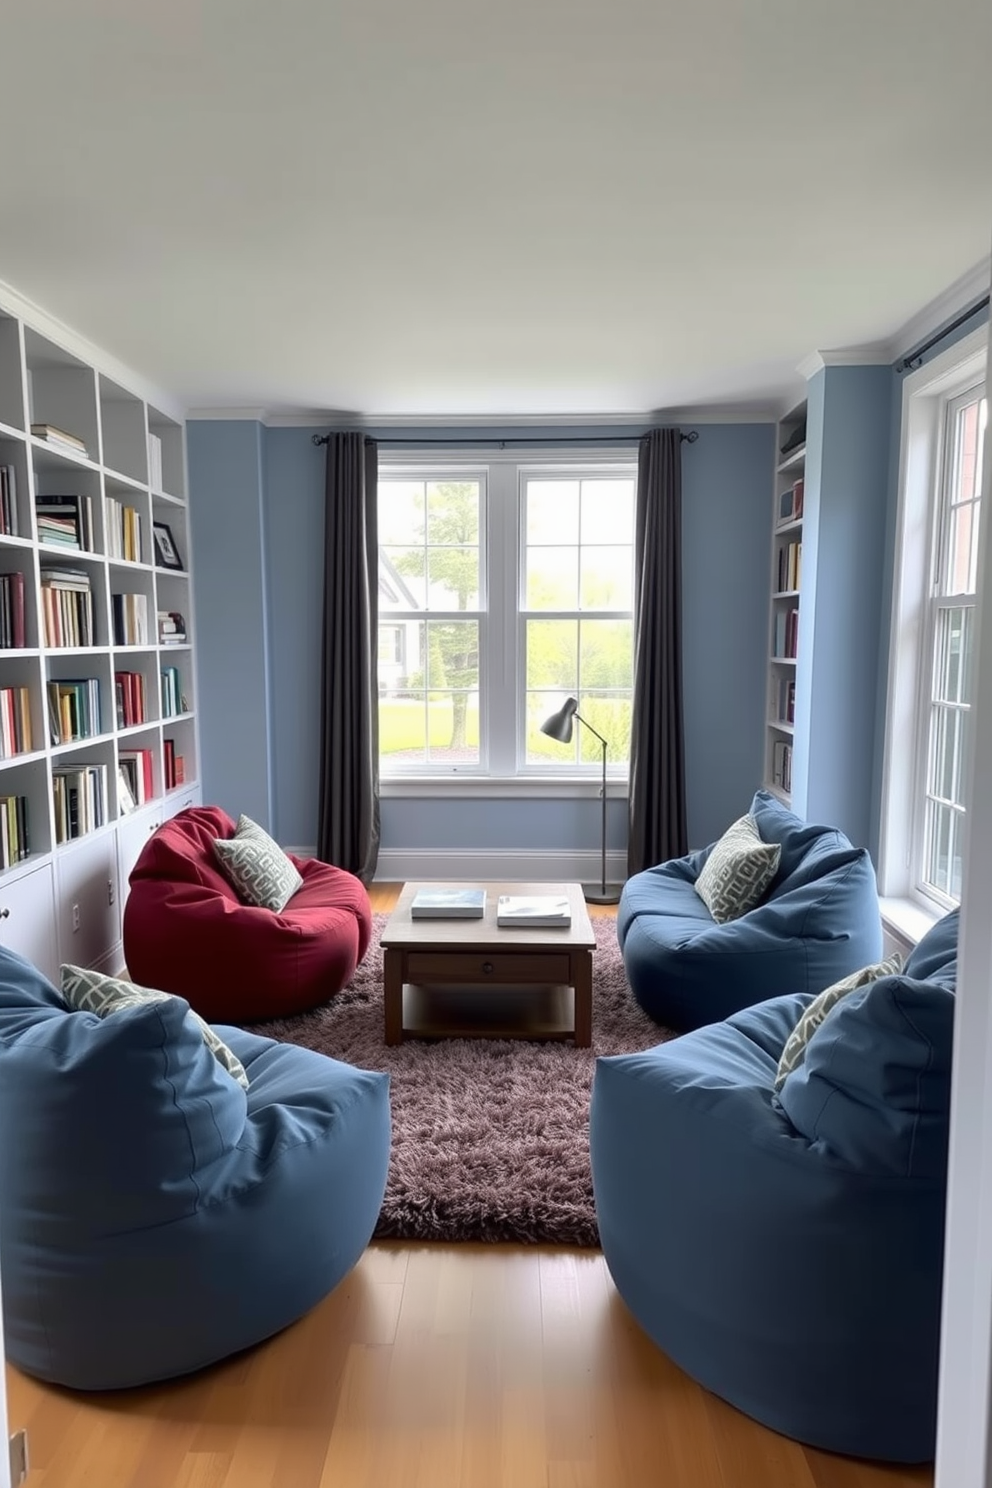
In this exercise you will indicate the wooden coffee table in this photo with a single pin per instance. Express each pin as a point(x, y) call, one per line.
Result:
point(471, 979)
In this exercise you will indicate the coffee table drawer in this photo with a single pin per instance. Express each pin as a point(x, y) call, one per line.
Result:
point(476, 966)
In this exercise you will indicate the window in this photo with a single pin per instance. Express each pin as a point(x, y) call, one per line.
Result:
point(951, 631)
point(505, 586)
point(944, 420)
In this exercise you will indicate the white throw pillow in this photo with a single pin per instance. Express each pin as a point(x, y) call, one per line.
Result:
point(738, 871)
point(795, 1045)
point(92, 992)
point(257, 866)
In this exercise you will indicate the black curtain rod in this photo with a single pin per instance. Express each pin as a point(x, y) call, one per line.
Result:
point(914, 359)
point(689, 438)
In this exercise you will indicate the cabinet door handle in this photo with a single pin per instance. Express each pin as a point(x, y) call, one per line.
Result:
point(487, 966)
point(4, 914)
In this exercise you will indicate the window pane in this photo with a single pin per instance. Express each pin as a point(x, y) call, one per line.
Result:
point(961, 576)
point(608, 511)
point(538, 748)
point(606, 654)
point(952, 654)
point(552, 579)
point(453, 512)
point(402, 728)
point(402, 579)
point(452, 655)
point(453, 578)
point(552, 512)
point(401, 513)
point(553, 656)
point(453, 723)
point(607, 579)
point(609, 716)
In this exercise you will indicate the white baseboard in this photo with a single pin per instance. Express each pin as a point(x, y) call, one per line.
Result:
point(400, 865)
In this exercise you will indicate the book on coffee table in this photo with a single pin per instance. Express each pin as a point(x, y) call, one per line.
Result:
point(533, 911)
point(448, 904)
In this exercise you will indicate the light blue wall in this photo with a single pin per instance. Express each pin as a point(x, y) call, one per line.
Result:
point(294, 482)
point(726, 539)
point(726, 545)
point(844, 523)
point(227, 522)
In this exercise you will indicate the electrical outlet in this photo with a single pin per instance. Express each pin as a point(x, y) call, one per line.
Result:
point(75, 917)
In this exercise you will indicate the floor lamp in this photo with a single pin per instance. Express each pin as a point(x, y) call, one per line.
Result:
point(559, 727)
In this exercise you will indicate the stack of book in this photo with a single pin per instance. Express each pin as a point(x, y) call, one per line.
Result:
point(782, 765)
point(13, 830)
point(448, 904)
point(175, 765)
point(8, 502)
point(123, 531)
point(59, 439)
point(138, 771)
point(171, 628)
point(67, 605)
point(533, 911)
point(80, 796)
point(172, 692)
point(12, 610)
point(130, 612)
point(129, 695)
point(15, 721)
point(65, 521)
point(73, 709)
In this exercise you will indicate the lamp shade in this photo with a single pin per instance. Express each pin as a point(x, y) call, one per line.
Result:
point(559, 725)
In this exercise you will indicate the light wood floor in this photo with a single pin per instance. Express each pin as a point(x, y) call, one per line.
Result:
point(433, 1366)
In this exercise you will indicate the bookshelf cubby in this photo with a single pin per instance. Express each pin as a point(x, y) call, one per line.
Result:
point(82, 511)
point(786, 589)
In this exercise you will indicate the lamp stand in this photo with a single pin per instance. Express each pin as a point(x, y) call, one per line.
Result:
point(601, 893)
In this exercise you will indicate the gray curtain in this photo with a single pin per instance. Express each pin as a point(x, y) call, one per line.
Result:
point(657, 758)
point(348, 825)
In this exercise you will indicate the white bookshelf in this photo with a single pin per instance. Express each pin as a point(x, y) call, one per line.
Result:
point(784, 606)
point(62, 900)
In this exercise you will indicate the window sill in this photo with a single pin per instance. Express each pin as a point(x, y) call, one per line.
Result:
point(505, 787)
point(908, 919)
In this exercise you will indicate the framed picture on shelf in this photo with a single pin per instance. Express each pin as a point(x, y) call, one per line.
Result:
point(166, 552)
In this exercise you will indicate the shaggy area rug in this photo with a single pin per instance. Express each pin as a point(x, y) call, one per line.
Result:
point(490, 1137)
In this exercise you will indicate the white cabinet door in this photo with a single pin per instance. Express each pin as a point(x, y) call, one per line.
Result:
point(132, 834)
point(89, 921)
point(27, 917)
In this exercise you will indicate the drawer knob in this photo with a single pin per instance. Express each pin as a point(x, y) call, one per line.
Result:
point(4, 914)
point(487, 967)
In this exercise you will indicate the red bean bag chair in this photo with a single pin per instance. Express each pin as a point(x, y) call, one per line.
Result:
point(186, 931)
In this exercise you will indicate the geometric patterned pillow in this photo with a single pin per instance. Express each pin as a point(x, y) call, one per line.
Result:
point(795, 1045)
point(91, 992)
point(737, 871)
point(257, 866)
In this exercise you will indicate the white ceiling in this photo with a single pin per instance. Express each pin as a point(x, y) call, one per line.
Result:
point(402, 207)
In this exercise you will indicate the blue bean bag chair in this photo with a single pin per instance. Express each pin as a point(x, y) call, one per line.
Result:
point(786, 1249)
point(818, 922)
point(154, 1215)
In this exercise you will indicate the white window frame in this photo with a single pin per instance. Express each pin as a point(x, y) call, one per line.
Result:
point(906, 904)
point(501, 770)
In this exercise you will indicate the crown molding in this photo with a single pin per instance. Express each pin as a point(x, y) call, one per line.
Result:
point(762, 412)
point(36, 319)
point(965, 291)
point(954, 300)
point(874, 354)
